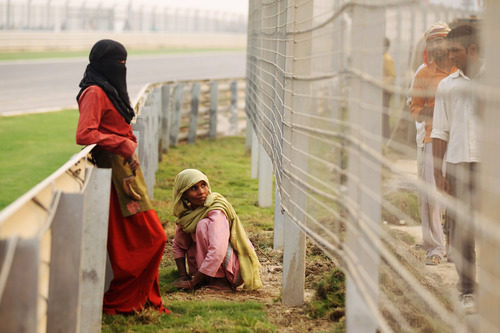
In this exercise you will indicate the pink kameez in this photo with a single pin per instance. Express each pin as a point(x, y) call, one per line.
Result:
point(207, 250)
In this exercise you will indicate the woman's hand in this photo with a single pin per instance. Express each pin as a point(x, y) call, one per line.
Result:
point(133, 162)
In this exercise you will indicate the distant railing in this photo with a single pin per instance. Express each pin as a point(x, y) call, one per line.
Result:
point(53, 238)
point(115, 16)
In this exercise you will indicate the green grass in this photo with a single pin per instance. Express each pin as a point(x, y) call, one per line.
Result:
point(29, 55)
point(33, 147)
point(227, 167)
point(195, 316)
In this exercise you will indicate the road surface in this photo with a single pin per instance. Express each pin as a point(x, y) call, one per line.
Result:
point(47, 85)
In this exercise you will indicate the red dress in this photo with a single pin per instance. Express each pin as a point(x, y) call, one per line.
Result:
point(135, 243)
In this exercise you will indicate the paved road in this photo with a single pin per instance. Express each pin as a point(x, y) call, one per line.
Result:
point(42, 85)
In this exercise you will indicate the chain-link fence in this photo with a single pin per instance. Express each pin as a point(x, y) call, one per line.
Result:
point(330, 99)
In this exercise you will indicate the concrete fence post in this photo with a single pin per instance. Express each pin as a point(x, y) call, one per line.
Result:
point(94, 239)
point(176, 115)
point(63, 309)
point(165, 116)
point(19, 303)
point(265, 196)
point(298, 62)
point(255, 156)
point(233, 117)
point(193, 116)
point(368, 29)
point(214, 96)
point(489, 275)
point(278, 221)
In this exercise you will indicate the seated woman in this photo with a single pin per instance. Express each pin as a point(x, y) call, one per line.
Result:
point(211, 237)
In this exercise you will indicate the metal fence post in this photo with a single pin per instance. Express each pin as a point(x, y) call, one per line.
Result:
point(214, 96)
point(193, 116)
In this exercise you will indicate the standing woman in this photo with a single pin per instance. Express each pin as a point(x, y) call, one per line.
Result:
point(211, 237)
point(136, 239)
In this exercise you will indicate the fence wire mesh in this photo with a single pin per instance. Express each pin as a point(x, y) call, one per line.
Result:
point(330, 96)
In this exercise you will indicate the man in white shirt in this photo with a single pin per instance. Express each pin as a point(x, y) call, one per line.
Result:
point(455, 132)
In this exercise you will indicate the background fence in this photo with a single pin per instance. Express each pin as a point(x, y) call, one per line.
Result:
point(53, 239)
point(115, 16)
point(315, 100)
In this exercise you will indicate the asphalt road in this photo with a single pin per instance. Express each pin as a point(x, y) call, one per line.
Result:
point(45, 85)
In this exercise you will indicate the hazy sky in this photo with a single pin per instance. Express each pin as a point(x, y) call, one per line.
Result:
point(238, 6)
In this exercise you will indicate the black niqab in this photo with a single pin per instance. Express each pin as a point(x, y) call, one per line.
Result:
point(107, 71)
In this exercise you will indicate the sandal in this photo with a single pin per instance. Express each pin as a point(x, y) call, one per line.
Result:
point(433, 260)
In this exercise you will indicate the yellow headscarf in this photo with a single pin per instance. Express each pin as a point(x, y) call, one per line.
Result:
point(189, 218)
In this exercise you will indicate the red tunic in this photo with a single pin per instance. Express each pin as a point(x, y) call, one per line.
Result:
point(135, 243)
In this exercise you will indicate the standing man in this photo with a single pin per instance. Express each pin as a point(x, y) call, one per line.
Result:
point(456, 133)
point(422, 108)
point(389, 76)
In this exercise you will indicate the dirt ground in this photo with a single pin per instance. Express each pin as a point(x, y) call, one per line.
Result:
point(286, 319)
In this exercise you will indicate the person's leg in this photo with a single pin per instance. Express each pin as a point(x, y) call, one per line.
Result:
point(432, 229)
point(462, 236)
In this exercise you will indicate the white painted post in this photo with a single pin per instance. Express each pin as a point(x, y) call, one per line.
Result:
point(489, 274)
point(368, 31)
point(255, 156)
point(278, 221)
point(94, 240)
point(265, 196)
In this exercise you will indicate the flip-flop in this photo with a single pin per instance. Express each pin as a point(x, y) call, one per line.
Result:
point(433, 260)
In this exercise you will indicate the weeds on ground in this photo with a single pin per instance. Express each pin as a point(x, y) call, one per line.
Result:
point(330, 299)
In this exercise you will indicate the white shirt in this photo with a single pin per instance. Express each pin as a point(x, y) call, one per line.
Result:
point(456, 118)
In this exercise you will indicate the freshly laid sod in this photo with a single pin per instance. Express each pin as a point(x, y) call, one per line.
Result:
point(33, 147)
